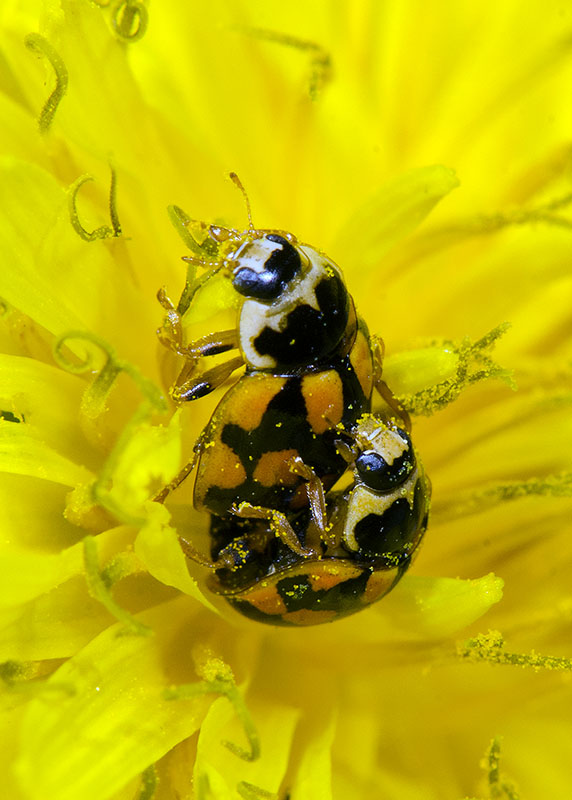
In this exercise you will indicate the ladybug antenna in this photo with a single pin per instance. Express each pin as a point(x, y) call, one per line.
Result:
point(238, 183)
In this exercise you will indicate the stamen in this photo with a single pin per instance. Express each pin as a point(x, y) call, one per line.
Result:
point(149, 782)
point(94, 405)
point(487, 224)
point(95, 397)
point(474, 364)
point(478, 500)
point(129, 19)
point(99, 589)
point(249, 791)
point(498, 787)
point(320, 60)
point(490, 647)
point(104, 231)
point(203, 787)
point(113, 215)
point(224, 685)
point(39, 44)
point(24, 678)
point(181, 221)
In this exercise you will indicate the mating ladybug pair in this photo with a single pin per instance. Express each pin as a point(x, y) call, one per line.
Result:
point(287, 546)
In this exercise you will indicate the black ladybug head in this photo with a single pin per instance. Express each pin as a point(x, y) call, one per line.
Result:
point(389, 465)
point(265, 266)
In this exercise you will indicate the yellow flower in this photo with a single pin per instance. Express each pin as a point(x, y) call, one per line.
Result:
point(124, 676)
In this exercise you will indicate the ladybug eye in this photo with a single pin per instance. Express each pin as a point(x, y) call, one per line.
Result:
point(379, 474)
point(265, 267)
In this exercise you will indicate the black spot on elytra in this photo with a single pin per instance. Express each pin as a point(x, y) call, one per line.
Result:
point(386, 539)
point(298, 595)
point(284, 426)
point(309, 334)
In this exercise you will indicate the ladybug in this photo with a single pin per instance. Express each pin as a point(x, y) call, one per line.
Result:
point(296, 311)
point(310, 367)
point(346, 552)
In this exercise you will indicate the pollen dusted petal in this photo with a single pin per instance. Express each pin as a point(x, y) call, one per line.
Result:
point(158, 548)
point(53, 625)
point(24, 576)
point(116, 721)
point(45, 398)
point(37, 202)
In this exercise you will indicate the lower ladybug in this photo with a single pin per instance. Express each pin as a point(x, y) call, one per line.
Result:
point(341, 554)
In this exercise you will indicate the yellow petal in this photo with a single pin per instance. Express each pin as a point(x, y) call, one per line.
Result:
point(24, 576)
point(117, 721)
point(275, 726)
point(145, 460)
point(36, 202)
point(415, 370)
point(22, 451)
point(397, 209)
point(157, 545)
point(314, 775)
point(47, 399)
point(54, 625)
point(39, 509)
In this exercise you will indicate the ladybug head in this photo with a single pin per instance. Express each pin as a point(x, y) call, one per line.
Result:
point(382, 454)
point(264, 266)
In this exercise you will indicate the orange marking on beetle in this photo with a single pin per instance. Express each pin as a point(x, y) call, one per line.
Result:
point(266, 599)
point(219, 466)
point(361, 361)
point(379, 584)
point(307, 617)
point(324, 398)
point(331, 575)
point(272, 469)
point(246, 403)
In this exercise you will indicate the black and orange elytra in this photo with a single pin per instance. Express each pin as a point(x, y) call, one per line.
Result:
point(373, 533)
point(265, 420)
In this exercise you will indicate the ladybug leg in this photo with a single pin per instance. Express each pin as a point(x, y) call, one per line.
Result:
point(212, 344)
point(188, 387)
point(378, 352)
point(278, 524)
point(170, 334)
point(225, 561)
point(161, 496)
point(316, 499)
point(191, 552)
point(171, 331)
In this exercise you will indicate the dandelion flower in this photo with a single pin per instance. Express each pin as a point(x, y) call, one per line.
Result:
point(426, 149)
